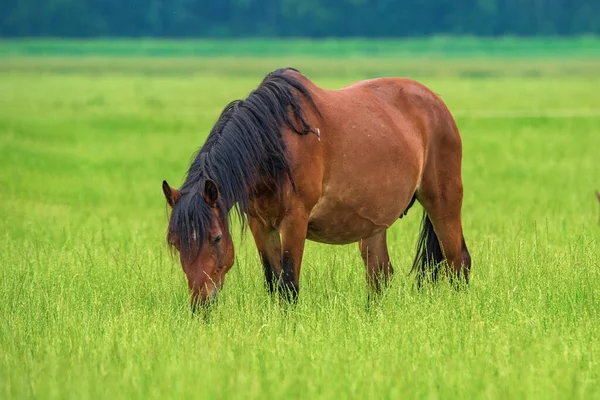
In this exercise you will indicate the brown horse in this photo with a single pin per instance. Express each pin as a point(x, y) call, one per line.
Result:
point(334, 166)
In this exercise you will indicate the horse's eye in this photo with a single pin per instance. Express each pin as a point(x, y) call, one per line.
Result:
point(217, 240)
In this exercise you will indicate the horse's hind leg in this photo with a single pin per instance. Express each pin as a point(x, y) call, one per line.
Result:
point(375, 255)
point(443, 203)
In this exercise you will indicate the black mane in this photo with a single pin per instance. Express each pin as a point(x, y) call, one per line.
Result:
point(244, 147)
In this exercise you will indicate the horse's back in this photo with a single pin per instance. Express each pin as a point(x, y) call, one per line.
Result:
point(393, 118)
point(405, 95)
point(419, 112)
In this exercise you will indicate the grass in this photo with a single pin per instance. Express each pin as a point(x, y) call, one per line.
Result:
point(93, 306)
point(251, 67)
point(448, 47)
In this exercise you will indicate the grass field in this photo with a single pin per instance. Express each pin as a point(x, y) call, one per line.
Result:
point(93, 306)
point(448, 47)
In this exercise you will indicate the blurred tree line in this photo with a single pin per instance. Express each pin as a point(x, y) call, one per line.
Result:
point(299, 18)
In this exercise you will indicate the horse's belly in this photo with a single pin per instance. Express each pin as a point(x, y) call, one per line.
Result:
point(341, 223)
point(322, 232)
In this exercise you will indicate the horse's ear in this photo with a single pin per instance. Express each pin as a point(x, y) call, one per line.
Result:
point(172, 195)
point(211, 192)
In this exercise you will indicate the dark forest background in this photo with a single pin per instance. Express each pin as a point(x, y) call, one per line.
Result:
point(296, 18)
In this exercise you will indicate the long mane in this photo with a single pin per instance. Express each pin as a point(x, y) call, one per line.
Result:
point(245, 147)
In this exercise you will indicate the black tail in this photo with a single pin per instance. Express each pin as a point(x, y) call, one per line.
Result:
point(429, 253)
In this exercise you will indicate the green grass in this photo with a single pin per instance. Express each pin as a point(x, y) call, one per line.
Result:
point(587, 46)
point(92, 306)
point(251, 67)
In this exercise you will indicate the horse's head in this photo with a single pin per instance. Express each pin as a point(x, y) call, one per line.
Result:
point(198, 230)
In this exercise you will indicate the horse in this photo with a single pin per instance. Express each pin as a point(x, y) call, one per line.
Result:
point(299, 162)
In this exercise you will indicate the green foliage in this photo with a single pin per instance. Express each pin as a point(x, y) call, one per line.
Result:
point(93, 306)
point(296, 18)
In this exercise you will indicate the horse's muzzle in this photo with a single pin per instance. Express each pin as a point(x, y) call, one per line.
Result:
point(203, 301)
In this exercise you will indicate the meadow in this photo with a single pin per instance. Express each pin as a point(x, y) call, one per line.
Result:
point(93, 305)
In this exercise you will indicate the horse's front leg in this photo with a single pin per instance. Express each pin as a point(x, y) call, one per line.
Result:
point(268, 245)
point(293, 230)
